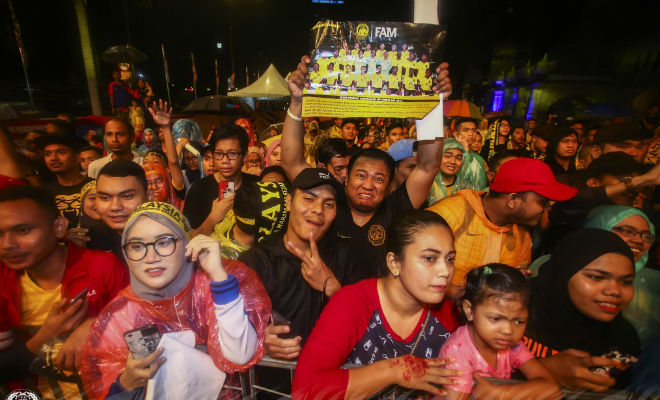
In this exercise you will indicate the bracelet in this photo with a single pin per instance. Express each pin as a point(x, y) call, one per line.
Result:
point(293, 117)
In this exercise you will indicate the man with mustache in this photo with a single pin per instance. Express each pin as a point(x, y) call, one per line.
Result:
point(118, 138)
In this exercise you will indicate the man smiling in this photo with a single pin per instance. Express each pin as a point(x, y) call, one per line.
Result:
point(365, 212)
point(120, 189)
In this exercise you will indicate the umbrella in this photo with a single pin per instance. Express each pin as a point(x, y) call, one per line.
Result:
point(495, 114)
point(265, 134)
point(461, 108)
point(218, 105)
point(123, 53)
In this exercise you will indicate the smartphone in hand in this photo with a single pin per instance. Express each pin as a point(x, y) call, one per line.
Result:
point(142, 341)
point(81, 295)
point(279, 320)
point(226, 189)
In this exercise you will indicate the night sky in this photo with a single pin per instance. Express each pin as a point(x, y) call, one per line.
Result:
point(277, 31)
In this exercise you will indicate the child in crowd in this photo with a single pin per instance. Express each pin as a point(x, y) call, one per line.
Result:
point(495, 304)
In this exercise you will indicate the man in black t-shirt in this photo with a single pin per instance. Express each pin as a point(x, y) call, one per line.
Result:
point(203, 207)
point(62, 158)
point(301, 269)
point(365, 216)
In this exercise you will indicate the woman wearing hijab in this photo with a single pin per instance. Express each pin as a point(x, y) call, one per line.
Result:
point(149, 142)
point(273, 154)
point(498, 133)
point(577, 303)
point(634, 228)
point(179, 285)
point(562, 151)
point(448, 180)
point(101, 237)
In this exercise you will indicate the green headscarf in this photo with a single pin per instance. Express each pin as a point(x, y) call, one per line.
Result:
point(642, 311)
point(439, 189)
point(607, 217)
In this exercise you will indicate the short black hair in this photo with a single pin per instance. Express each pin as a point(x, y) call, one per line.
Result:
point(41, 196)
point(349, 121)
point(391, 126)
point(462, 120)
point(616, 163)
point(496, 158)
point(495, 280)
point(278, 169)
point(230, 131)
point(122, 168)
point(92, 148)
point(329, 148)
point(374, 154)
point(129, 127)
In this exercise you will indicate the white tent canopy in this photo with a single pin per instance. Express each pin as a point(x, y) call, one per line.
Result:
point(269, 85)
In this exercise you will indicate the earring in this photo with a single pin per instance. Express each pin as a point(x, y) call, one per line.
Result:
point(395, 274)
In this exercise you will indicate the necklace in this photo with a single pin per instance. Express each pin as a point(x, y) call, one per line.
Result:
point(419, 336)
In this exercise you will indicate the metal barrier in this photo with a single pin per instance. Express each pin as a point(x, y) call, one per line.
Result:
point(271, 362)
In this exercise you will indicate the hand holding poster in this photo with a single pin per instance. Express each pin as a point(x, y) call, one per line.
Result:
point(372, 69)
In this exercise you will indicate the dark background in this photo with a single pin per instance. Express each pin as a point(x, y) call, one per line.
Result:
point(277, 31)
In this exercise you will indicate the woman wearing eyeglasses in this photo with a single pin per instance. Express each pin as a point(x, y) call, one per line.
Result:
point(178, 285)
point(635, 228)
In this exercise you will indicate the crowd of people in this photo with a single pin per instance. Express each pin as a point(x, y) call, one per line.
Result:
point(380, 264)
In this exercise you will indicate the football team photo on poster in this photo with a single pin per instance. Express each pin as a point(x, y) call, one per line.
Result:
point(362, 68)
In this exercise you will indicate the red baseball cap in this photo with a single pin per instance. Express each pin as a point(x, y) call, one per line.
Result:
point(530, 175)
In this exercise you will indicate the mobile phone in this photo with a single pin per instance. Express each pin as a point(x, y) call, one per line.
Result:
point(142, 341)
point(225, 189)
point(621, 363)
point(279, 320)
point(81, 295)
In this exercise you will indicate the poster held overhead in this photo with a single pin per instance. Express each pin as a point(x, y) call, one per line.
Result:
point(372, 69)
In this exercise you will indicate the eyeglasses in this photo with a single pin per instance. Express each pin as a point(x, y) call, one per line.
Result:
point(164, 247)
point(231, 155)
point(632, 233)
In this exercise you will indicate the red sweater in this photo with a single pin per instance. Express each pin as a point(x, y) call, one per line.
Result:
point(342, 325)
point(101, 272)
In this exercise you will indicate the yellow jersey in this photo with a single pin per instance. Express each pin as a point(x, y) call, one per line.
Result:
point(392, 55)
point(354, 53)
point(362, 80)
point(377, 80)
point(331, 78)
point(316, 77)
point(405, 55)
point(425, 83)
point(323, 64)
point(343, 53)
point(393, 81)
point(422, 67)
point(409, 82)
point(379, 53)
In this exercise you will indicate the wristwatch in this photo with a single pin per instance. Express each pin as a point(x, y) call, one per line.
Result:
point(628, 181)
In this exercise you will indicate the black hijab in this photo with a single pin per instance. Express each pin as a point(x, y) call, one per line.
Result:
point(557, 135)
point(555, 321)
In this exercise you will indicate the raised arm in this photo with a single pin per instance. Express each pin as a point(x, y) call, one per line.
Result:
point(161, 114)
point(8, 160)
point(429, 152)
point(293, 149)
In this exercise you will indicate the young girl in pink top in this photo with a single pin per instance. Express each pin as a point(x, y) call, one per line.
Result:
point(495, 303)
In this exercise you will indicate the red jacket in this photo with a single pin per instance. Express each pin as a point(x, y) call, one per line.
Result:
point(102, 273)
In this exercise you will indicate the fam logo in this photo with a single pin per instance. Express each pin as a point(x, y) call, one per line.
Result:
point(22, 394)
point(362, 32)
point(384, 32)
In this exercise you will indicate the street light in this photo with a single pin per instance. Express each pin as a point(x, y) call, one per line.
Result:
point(219, 45)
